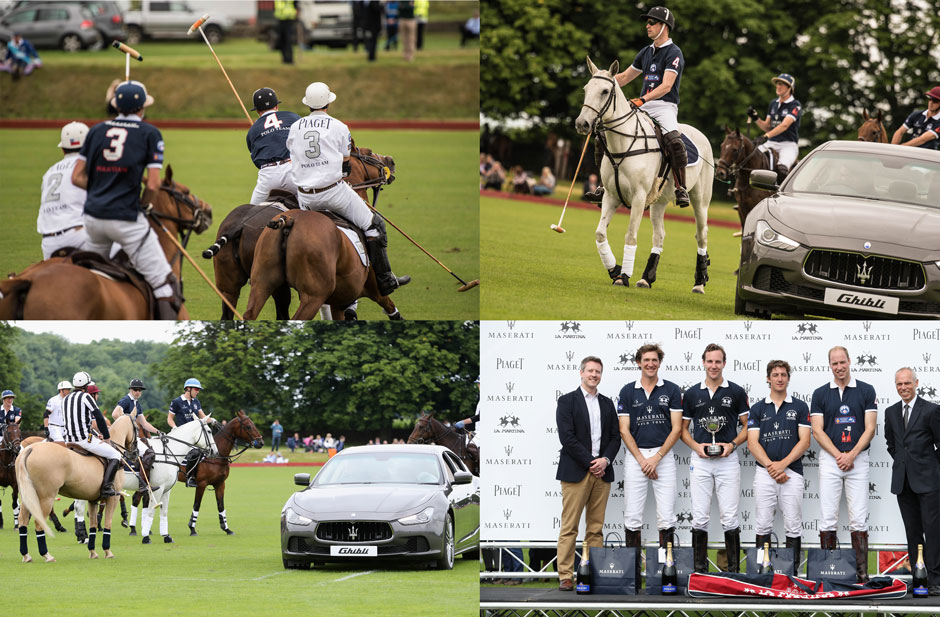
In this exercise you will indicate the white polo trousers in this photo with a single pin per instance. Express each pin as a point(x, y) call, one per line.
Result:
point(785, 151)
point(342, 200)
point(721, 476)
point(769, 496)
point(831, 483)
point(140, 243)
point(636, 486)
point(73, 237)
point(56, 433)
point(667, 114)
point(270, 178)
point(101, 448)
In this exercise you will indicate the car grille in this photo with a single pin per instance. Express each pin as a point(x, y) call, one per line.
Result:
point(867, 272)
point(414, 544)
point(354, 531)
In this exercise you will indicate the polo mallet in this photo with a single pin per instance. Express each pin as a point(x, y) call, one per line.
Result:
point(558, 227)
point(196, 266)
point(465, 285)
point(143, 474)
point(197, 25)
point(129, 52)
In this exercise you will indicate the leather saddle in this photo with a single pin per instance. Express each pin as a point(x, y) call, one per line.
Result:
point(118, 269)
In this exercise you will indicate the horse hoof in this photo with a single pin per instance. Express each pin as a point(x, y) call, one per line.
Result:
point(92, 555)
point(167, 539)
point(192, 531)
point(698, 289)
point(229, 532)
point(60, 529)
point(145, 540)
point(48, 558)
point(642, 284)
point(27, 558)
point(133, 531)
point(125, 524)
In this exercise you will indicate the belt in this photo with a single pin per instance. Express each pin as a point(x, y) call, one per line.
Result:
point(319, 190)
point(275, 163)
point(64, 231)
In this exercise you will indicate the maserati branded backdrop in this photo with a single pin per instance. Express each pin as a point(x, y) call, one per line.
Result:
point(527, 365)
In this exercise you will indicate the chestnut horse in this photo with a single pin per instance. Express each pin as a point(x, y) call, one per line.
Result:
point(739, 157)
point(46, 469)
point(872, 128)
point(429, 429)
point(38, 291)
point(234, 249)
point(215, 470)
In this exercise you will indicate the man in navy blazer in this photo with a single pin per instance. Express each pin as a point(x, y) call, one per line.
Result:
point(912, 430)
point(590, 439)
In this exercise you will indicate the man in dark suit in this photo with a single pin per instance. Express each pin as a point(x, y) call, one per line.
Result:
point(912, 430)
point(590, 440)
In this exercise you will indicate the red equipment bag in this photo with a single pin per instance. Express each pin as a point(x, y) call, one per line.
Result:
point(783, 586)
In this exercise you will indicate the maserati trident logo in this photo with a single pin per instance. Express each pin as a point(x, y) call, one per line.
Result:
point(863, 274)
point(629, 325)
point(510, 324)
point(807, 357)
point(569, 355)
point(688, 356)
point(926, 357)
point(507, 513)
point(745, 514)
point(508, 450)
point(685, 484)
point(866, 325)
point(509, 386)
point(747, 325)
point(353, 532)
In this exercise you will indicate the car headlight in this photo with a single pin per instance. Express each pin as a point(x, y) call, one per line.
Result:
point(421, 517)
point(766, 235)
point(296, 519)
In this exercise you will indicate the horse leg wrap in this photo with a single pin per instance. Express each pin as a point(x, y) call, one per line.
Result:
point(223, 520)
point(92, 534)
point(24, 532)
point(701, 269)
point(16, 511)
point(192, 519)
point(649, 274)
point(41, 542)
point(123, 510)
point(105, 539)
point(607, 256)
point(81, 534)
point(629, 259)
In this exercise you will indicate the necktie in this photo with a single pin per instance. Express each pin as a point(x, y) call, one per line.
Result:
point(907, 415)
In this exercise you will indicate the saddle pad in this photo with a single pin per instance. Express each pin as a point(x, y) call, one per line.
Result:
point(356, 242)
point(691, 150)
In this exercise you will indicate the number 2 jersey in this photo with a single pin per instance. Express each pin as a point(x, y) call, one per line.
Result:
point(267, 137)
point(116, 152)
point(318, 144)
point(62, 202)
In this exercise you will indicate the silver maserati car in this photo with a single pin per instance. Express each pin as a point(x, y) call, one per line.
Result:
point(853, 231)
point(407, 502)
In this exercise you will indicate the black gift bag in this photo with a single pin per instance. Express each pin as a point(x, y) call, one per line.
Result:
point(614, 568)
point(781, 558)
point(654, 568)
point(831, 565)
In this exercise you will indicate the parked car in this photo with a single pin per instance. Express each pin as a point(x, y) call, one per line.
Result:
point(66, 25)
point(394, 502)
point(853, 231)
point(171, 20)
point(107, 16)
point(325, 22)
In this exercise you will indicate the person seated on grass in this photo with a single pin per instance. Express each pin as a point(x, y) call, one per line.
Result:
point(545, 184)
point(495, 176)
point(590, 185)
point(19, 57)
point(520, 181)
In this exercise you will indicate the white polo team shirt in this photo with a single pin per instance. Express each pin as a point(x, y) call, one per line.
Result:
point(62, 202)
point(54, 405)
point(318, 143)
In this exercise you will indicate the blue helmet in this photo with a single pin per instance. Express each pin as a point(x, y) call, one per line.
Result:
point(131, 96)
point(192, 382)
point(785, 79)
point(7, 394)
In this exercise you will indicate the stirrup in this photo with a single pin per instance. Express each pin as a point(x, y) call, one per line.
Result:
point(596, 196)
point(682, 198)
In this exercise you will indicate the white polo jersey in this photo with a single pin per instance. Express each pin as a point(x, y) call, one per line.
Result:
point(62, 202)
point(318, 143)
point(54, 406)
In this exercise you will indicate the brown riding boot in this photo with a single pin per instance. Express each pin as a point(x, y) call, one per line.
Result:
point(860, 545)
point(828, 540)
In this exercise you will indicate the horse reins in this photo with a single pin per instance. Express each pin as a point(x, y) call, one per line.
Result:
point(186, 225)
point(376, 183)
point(231, 457)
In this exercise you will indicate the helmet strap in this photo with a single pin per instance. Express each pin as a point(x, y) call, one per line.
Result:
point(662, 25)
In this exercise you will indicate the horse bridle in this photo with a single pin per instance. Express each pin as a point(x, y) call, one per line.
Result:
point(878, 132)
point(429, 428)
point(14, 447)
point(386, 175)
point(599, 123)
point(737, 165)
point(231, 457)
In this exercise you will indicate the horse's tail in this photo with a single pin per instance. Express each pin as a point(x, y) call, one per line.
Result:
point(285, 224)
point(13, 297)
point(28, 495)
point(213, 250)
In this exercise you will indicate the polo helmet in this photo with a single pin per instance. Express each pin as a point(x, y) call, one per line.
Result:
point(81, 379)
point(73, 135)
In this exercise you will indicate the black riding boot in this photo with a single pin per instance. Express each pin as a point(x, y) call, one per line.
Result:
point(782, 171)
point(107, 487)
point(733, 548)
point(597, 195)
point(169, 308)
point(678, 158)
point(192, 458)
point(667, 535)
point(700, 550)
point(794, 543)
point(378, 255)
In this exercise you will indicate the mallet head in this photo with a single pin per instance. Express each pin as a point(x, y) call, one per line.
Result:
point(555, 227)
point(469, 285)
point(198, 23)
point(127, 50)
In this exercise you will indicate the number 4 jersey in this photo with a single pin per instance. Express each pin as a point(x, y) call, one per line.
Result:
point(267, 137)
point(318, 144)
point(116, 153)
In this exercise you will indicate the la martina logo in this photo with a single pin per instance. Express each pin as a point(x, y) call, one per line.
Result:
point(626, 362)
point(570, 329)
point(508, 424)
point(927, 392)
point(867, 363)
point(807, 331)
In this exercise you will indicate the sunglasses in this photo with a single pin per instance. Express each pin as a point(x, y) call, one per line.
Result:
point(137, 390)
point(651, 22)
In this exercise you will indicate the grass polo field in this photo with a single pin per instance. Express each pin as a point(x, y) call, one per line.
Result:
point(214, 573)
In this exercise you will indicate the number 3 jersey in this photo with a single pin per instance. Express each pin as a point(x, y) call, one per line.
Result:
point(62, 202)
point(267, 137)
point(116, 153)
point(318, 144)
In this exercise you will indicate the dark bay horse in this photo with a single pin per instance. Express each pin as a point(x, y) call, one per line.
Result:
point(429, 429)
point(234, 249)
point(37, 292)
point(214, 471)
point(739, 157)
point(873, 129)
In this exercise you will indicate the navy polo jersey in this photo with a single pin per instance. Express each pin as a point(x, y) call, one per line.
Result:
point(650, 417)
point(267, 137)
point(729, 401)
point(844, 414)
point(778, 111)
point(185, 411)
point(653, 62)
point(779, 428)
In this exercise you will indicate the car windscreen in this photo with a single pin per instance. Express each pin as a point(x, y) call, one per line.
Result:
point(869, 176)
point(381, 468)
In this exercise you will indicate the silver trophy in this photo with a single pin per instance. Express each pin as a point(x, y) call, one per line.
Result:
point(713, 424)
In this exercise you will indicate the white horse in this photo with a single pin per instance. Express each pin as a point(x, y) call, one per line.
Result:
point(170, 453)
point(633, 149)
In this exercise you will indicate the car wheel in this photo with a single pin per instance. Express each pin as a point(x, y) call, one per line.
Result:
point(446, 562)
point(134, 35)
point(214, 34)
point(295, 565)
point(71, 42)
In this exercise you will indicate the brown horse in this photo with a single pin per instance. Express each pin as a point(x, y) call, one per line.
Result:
point(10, 447)
point(234, 249)
point(214, 471)
point(46, 469)
point(873, 129)
point(429, 429)
point(38, 291)
point(739, 157)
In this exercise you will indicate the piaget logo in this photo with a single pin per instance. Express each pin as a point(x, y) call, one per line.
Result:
point(919, 334)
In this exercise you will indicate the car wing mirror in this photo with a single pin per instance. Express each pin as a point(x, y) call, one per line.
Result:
point(764, 179)
point(302, 479)
point(463, 477)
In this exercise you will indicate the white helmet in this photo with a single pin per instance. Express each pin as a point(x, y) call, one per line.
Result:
point(318, 95)
point(64, 385)
point(73, 135)
point(81, 379)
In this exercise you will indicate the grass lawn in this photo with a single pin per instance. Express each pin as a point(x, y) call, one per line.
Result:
point(214, 573)
point(434, 199)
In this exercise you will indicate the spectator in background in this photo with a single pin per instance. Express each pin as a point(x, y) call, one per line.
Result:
point(590, 185)
point(422, 10)
point(285, 12)
point(521, 181)
point(292, 442)
point(470, 29)
point(495, 175)
point(408, 27)
point(545, 184)
point(359, 15)
point(329, 442)
point(341, 443)
point(308, 443)
point(21, 57)
point(372, 26)
point(276, 431)
point(391, 25)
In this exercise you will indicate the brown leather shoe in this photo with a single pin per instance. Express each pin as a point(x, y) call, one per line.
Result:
point(566, 584)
